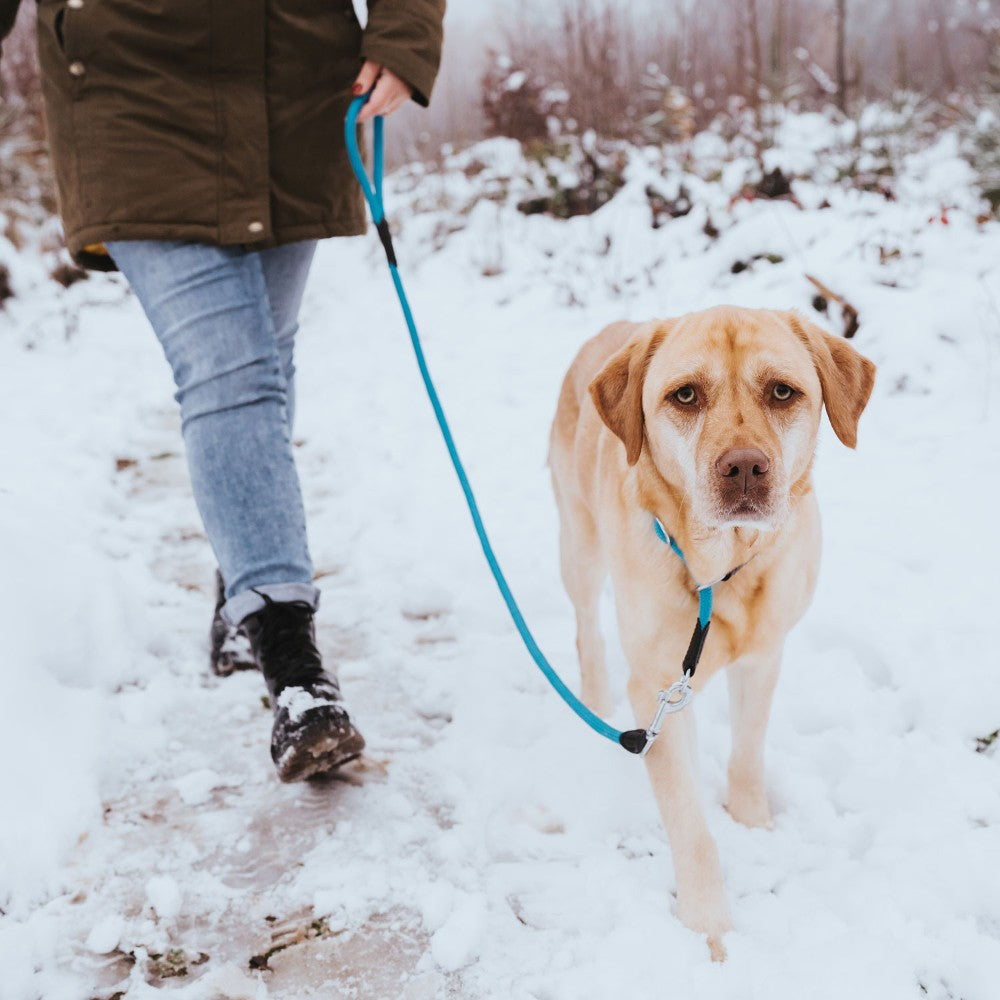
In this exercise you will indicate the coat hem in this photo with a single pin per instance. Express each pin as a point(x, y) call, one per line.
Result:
point(86, 245)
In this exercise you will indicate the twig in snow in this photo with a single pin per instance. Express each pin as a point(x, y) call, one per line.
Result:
point(850, 314)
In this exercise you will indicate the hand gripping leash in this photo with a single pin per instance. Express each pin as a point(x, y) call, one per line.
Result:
point(636, 741)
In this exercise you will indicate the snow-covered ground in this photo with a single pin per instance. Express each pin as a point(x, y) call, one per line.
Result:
point(488, 845)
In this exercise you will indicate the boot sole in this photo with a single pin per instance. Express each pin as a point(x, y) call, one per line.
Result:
point(315, 750)
point(226, 666)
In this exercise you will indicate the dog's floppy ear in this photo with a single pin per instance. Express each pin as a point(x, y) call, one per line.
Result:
point(846, 377)
point(617, 388)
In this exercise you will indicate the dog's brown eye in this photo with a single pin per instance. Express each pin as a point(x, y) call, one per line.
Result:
point(685, 395)
point(782, 393)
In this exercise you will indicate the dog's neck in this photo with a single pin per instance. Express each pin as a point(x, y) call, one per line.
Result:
point(710, 552)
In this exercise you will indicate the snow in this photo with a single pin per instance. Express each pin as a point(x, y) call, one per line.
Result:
point(104, 937)
point(488, 845)
point(298, 701)
point(164, 896)
point(196, 788)
point(516, 80)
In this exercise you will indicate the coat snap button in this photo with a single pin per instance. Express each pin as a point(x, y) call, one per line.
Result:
point(256, 227)
point(77, 68)
point(74, 4)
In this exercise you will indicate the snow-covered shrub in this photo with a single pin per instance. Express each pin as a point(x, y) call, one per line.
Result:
point(577, 175)
point(27, 188)
point(31, 236)
point(982, 148)
point(27, 191)
point(981, 139)
point(517, 102)
point(865, 152)
point(667, 113)
point(882, 135)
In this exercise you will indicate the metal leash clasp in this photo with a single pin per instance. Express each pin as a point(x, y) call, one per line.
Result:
point(673, 699)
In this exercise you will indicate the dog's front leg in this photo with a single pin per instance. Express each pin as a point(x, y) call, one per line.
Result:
point(583, 575)
point(751, 687)
point(701, 896)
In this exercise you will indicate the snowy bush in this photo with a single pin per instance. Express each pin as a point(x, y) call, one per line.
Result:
point(666, 113)
point(575, 176)
point(981, 143)
point(518, 103)
point(982, 148)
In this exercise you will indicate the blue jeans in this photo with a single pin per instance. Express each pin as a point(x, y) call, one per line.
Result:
point(226, 318)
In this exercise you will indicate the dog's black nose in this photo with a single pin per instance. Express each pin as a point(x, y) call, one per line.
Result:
point(745, 466)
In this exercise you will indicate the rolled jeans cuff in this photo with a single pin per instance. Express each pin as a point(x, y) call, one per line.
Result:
point(249, 602)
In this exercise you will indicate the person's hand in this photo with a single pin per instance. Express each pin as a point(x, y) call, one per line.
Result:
point(390, 92)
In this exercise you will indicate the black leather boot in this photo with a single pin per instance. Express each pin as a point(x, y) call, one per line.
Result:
point(230, 648)
point(312, 732)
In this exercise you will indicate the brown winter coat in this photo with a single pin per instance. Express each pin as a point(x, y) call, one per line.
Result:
point(214, 120)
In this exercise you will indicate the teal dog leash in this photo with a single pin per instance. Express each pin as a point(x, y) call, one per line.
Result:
point(674, 698)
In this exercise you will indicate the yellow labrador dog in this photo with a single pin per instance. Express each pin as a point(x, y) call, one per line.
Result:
point(707, 423)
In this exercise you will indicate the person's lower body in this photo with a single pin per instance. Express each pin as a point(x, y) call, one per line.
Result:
point(226, 318)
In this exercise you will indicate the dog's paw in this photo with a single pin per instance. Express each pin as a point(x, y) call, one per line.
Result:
point(716, 949)
point(747, 800)
point(710, 918)
point(749, 809)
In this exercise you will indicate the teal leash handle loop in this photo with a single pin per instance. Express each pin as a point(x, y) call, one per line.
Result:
point(373, 194)
point(372, 188)
point(634, 740)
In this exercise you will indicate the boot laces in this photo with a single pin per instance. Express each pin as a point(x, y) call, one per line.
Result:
point(285, 638)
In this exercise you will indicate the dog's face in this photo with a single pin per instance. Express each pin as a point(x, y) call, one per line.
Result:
point(727, 404)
